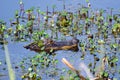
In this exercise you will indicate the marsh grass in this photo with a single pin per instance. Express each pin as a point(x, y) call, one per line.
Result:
point(9, 66)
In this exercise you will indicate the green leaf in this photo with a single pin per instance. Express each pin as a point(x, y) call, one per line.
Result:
point(69, 72)
point(3, 27)
point(22, 66)
point(61, 77)
point(72, 78)
point(21, 2)
point(43, 48)
point(115, 45)
point(115, 59)
point(82, 57)
point(87, 1)
point(105, 24)
point(101, 42)
point(83, 48)
point(42, 13)
point(77, 78)
point(30, 69)
point(51, 50)
point(46, 36)
point(105, 74)
point(16, 12)
point(55, 61)
point(6, 36)
point(30, 75)
point(41, 44)
point(38, 10)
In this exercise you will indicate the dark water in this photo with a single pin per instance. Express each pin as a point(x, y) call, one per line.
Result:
point(16, 50)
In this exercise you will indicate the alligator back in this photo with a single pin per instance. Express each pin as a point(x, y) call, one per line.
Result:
point(54, 46)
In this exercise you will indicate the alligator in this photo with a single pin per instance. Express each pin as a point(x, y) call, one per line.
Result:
point(51, 45)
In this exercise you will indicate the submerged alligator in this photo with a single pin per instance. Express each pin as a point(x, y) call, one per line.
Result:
point(49, 45)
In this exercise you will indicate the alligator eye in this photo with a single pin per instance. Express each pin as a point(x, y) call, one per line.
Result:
point(75, 41)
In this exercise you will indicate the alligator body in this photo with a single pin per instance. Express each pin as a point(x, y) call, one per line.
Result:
point(50, 45)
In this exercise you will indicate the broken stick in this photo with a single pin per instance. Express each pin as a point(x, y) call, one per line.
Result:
point(73, 69)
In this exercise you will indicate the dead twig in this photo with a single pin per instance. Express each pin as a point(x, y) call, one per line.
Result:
point(73, 69)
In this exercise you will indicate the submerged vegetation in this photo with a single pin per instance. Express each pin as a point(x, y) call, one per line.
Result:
point(98, 32)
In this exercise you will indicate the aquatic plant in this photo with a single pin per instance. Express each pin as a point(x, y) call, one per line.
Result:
point(38, 62)
point(92, 27)
point(116, 29)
